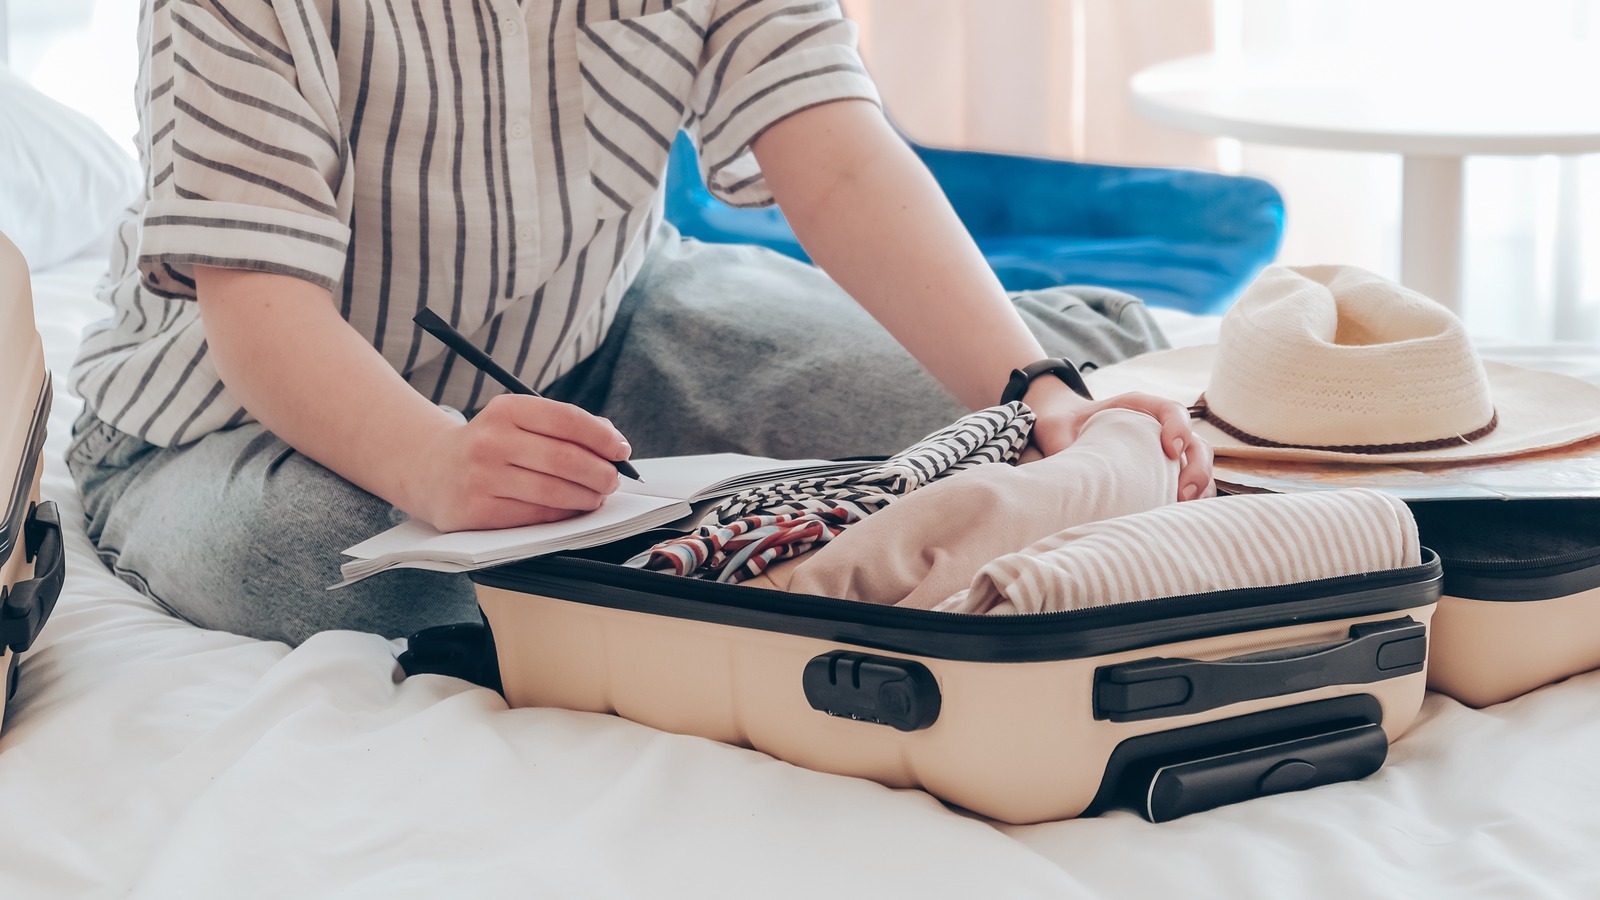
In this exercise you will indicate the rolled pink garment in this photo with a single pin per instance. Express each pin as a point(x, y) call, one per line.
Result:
point(929, 544)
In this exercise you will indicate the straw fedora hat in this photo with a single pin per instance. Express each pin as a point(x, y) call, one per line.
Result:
point(1334, 363)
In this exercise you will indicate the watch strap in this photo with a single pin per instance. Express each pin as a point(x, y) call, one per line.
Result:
point(1062, 368)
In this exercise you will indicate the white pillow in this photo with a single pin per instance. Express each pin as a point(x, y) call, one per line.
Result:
point(62, 179)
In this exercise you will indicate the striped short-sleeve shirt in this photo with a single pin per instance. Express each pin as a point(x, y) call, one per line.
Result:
point(500, 163)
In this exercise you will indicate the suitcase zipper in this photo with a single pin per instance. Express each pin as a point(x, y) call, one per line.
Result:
point(1133, 609)
point(1016, 638)
point(1544, 578)
point(11, 522)
point(1588, 554)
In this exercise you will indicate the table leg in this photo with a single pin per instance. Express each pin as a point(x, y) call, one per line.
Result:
point(1573, 319)
point(1431, 228)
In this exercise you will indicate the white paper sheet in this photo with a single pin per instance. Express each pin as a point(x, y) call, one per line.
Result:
point(697, 478)
point(419, 545)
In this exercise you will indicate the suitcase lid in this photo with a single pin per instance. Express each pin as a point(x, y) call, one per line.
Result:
point(1512, 550)
point(24, 394)
point(589, 577)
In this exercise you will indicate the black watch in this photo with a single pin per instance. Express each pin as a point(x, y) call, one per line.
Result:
point(1061, 368)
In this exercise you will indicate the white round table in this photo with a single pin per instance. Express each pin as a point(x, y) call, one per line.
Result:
point(1433, 106)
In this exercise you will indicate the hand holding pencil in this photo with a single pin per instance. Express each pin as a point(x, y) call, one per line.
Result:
point(455, 340)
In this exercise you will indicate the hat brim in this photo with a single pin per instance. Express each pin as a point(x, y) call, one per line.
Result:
point(1538, 410)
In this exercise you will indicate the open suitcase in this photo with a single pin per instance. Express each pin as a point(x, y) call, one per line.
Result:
point(1170, 706)
point(1521, 605)
point(31, 560)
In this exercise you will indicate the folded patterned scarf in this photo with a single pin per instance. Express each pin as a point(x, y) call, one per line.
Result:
point(784, 519)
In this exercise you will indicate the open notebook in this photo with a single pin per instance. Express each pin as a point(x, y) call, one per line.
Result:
point(670, 489)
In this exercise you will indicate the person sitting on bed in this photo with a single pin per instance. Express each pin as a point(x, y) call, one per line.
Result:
point(317, 171)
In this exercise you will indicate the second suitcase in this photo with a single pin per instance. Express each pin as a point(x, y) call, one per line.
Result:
point(1521, 605)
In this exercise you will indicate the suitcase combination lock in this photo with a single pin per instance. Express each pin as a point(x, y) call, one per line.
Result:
point(900, 693)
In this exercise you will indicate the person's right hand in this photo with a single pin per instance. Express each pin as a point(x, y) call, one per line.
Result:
point(521, 461)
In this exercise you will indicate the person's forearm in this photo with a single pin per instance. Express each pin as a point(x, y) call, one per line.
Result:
point(870, 215)
point(288, 357)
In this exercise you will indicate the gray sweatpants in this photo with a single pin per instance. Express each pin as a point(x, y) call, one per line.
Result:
point(716, 347)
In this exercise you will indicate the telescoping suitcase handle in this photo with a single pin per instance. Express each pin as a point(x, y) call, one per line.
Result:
point(24, 609)
point(1160, 687)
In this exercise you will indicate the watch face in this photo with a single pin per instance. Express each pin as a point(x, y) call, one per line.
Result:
point(1074, 379)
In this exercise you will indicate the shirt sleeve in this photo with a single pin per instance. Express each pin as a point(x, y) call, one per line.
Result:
point(766, 60)
point(243, 147)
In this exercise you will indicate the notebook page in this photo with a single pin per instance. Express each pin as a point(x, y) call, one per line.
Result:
point(414, 539)
point(682, 477)
point(709, 475)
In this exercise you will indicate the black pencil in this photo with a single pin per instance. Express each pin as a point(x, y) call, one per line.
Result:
point(439, 328)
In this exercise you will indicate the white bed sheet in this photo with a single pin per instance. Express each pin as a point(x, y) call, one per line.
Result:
point(145, 757)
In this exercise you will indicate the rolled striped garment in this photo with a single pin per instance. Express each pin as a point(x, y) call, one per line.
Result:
point(1256, 540)
point(495, 161)
point(758, 526)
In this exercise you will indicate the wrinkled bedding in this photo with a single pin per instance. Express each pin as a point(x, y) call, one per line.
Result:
point(144, 757)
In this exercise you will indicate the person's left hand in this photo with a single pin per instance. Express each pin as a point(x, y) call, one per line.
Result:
point(1062, 414)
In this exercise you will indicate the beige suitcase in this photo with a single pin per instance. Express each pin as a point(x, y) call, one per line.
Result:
point(1169, 706)
point(31, 559)
point(1521, 605)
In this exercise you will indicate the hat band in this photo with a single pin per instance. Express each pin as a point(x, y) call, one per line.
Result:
point(1201, 411)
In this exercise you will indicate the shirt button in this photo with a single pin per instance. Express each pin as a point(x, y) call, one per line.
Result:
point(524, 232)
point(519, 129)
point(510, 26)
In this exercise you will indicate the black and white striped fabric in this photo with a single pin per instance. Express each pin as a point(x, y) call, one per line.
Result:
point(996, 434)
point(499, 163)
point(754, 528)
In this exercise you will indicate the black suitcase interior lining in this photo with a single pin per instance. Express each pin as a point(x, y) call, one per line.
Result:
point(1514, 550)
